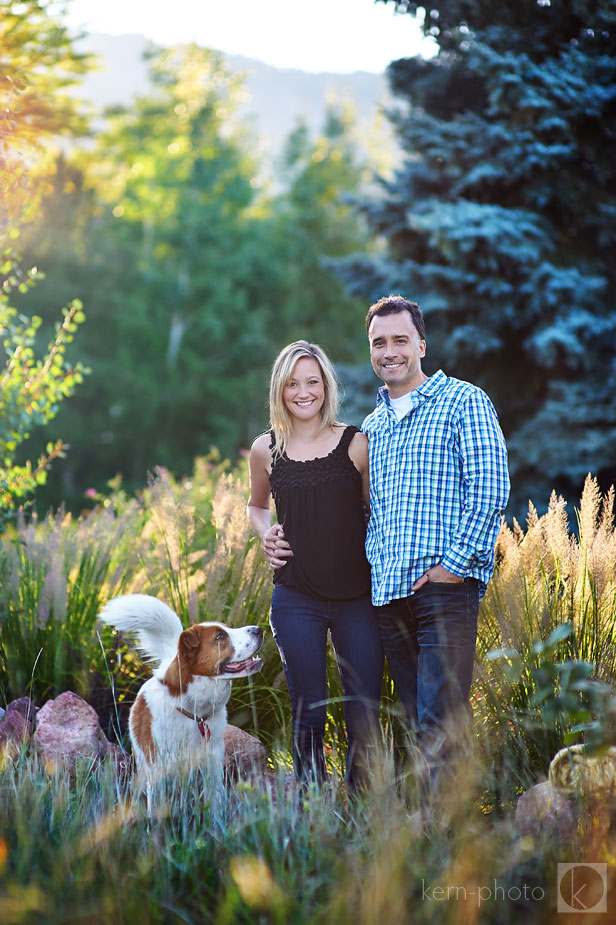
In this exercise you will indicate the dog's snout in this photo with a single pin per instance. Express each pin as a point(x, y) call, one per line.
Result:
point(255, 631)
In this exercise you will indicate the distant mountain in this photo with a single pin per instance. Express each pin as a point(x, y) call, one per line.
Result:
point(278, 97)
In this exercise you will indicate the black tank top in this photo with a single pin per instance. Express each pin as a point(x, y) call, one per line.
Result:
point(319, 505)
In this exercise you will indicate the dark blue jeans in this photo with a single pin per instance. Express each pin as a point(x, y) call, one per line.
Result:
point(429, 640)
point(300, 624)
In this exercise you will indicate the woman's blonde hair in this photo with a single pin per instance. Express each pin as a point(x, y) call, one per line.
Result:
point(282, 372)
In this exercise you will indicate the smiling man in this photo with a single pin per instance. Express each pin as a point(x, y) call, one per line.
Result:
point(438, 486)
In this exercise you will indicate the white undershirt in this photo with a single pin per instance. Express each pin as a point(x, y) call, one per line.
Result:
point(401, 405)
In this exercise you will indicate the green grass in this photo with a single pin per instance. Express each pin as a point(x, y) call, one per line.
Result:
point(85, 850)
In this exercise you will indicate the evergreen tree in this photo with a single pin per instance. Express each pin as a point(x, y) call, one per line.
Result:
point(193, 276)
point(167, 258)
point(501, 222)
point(314, 222)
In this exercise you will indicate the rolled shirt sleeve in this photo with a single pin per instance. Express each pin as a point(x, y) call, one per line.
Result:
point(485, 485)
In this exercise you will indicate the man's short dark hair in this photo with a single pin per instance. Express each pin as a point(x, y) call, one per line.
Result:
point(393, 305)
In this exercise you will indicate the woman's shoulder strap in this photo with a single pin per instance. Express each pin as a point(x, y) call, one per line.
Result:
point(276, 456)
point(349, 432)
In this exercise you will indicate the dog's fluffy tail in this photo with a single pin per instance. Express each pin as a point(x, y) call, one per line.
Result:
point(156, 626)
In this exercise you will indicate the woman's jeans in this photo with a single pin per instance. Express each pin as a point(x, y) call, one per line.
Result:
point(429, 640)
point(300, 624)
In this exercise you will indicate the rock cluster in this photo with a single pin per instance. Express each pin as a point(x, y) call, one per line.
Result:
point(66, 731)
point(62, 733)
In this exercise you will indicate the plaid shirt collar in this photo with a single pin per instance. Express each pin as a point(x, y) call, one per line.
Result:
point(428, 389)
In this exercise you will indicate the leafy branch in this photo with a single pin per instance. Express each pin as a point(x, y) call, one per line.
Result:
point(31, 388)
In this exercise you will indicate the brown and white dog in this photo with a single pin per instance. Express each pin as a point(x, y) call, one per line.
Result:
point(181, 712)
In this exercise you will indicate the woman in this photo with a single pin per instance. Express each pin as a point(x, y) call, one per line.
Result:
point(317, 471)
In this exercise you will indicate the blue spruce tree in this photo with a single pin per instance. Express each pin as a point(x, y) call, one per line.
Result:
point(500, 220)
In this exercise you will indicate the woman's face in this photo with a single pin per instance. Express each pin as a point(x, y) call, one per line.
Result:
point(304, 393)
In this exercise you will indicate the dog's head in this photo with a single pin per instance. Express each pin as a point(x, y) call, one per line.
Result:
point(213, 650)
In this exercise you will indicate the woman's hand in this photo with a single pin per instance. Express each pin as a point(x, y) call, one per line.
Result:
point(275, 545)
point(277, 549)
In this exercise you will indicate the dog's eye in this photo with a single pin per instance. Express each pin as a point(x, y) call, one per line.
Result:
point(220, 636)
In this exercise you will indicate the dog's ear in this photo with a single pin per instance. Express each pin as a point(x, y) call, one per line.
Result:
point(189, 640)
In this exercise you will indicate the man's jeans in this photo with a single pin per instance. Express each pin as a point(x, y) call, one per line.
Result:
point(429, 640)
point(300, 624)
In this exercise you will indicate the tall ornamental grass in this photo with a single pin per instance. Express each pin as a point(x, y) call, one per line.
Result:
point(84, 849)
point(187, 542)
point(546, 653)
point(545, 657)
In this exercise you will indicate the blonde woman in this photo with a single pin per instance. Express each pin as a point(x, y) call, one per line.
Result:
point(317, 471)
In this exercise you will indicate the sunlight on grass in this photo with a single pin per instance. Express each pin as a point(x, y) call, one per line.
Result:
point(85, 849)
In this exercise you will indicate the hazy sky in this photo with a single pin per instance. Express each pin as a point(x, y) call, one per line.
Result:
point(313, 35)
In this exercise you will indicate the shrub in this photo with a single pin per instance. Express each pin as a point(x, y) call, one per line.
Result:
point(546, 639)
point(30, 389)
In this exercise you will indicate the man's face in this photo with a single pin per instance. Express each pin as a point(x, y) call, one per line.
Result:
point(396, 350)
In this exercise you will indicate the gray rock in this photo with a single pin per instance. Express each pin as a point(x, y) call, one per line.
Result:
point(245, 755)
point(67, 730)
point(24, 706)
point(543, 811)
point(15, 729)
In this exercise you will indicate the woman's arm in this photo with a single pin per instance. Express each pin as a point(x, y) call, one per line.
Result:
point(276, 547)
point(358, 452)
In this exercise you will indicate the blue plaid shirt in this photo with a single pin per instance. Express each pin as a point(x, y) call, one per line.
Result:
point(438, 485)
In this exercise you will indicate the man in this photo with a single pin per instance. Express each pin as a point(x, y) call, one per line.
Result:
point(438, 486)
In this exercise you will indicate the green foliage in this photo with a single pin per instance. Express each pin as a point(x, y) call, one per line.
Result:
point(193, 274)
point(528, 24)
point(314, 222)
point(31, 388)
point(55, 576)
point(566, 697)
point(165, 251)
point(87, 850)
point(550, 613)
point(188, 543)
point(271, 850)
point(47, 642)
point(37, 63)
point(500, 221)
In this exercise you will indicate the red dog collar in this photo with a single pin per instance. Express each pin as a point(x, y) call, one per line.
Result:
point(201, 721)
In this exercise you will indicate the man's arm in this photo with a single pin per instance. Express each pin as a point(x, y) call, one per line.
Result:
point(485, 485)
